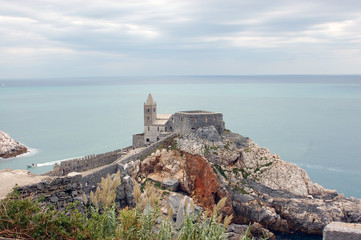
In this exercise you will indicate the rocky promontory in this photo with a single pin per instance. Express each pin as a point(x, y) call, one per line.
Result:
point(9, 147)
point(261, 190)
point(259, 186)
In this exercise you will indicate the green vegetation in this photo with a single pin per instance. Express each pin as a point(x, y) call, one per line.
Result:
point(25, 218)
point(220, 170)
point(247, 150)
point(206, 150)
point(244, 173)
point(241, 190)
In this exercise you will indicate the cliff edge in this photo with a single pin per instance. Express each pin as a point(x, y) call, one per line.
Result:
point(9, 147)
point(259, 186)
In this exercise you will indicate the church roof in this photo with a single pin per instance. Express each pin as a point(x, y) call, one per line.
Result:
point(150, 100)
point(163, 116)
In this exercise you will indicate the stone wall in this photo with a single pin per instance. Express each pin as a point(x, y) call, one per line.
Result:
point(87, 162)
point(90, 181)
point(148, 149)
point(152, 133)
point(138, 140)
point(61, 191)
point(189, 121)
point(57, 191)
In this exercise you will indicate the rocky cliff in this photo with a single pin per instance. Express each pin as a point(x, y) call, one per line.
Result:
point(9, 147)
point(260, 187)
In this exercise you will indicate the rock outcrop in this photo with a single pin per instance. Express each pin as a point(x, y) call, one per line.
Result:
point(194, 174)
point(9, 147)
point(259, 186)
point(204, 167)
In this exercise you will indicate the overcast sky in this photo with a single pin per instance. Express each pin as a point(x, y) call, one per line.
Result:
point(78, 38)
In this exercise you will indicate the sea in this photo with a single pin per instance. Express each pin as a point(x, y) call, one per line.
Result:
point(313, 121)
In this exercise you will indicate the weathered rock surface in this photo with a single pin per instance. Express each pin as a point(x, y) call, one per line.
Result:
point(259, 185)
point(209, 133)
point(344, 231)
point(237, 231)
point(9, 147)
point(56, 191)
point(195, 175)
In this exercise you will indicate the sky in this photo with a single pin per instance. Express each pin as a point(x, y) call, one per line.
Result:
point(92, 38)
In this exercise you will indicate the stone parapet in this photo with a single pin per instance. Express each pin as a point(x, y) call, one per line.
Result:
point(189, 121)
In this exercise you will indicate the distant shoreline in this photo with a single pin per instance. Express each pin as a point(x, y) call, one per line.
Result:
point(196, 79)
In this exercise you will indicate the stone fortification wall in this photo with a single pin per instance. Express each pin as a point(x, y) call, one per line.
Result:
point(90, 181)
point(61, 191)
point(57, 191)
point(138, 140)
point(189, 121)
point(148, 149)
point(86, 163)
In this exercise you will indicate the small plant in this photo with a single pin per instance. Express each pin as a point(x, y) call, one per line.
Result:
point(241, 190)
point(211, 228)
point(105, 194)
point(220, 170)
point(247, 235)
point(206, 149)
point(247, 149)
point(244, 173)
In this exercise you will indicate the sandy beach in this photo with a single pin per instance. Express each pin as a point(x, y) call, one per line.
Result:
point(9, 178)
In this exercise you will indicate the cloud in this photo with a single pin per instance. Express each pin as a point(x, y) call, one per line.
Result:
point(184, 34)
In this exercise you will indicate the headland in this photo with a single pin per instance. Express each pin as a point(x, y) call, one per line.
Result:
point(193, 157)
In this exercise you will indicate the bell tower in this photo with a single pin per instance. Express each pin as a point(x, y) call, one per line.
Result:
point(150, 111)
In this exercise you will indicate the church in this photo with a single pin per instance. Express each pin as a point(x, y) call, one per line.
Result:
point(158, 126)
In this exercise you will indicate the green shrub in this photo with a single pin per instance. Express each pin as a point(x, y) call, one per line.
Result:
point(220, 170)
point(25, 218)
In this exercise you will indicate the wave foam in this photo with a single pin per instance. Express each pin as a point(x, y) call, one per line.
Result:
point(53, 162)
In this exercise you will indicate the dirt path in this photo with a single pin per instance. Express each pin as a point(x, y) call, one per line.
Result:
point(9, 178)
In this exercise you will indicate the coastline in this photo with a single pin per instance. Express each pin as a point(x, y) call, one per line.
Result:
point(239, 165)
point(28, 153)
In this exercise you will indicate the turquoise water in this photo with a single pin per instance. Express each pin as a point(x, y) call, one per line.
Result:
point(312, 121)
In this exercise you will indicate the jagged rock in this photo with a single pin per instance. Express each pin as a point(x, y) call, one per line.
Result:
point(195, 175)
point(283, 211)
point(209, 133)
point(170, 184)
point(54, 199)
point(344, 231)
point(9, 147)
point(186, 207)
point(237, 231)
point(128, 183)
point(277, 194)
point(174, 202)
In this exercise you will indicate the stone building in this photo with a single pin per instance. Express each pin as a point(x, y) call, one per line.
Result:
point(157, 126)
